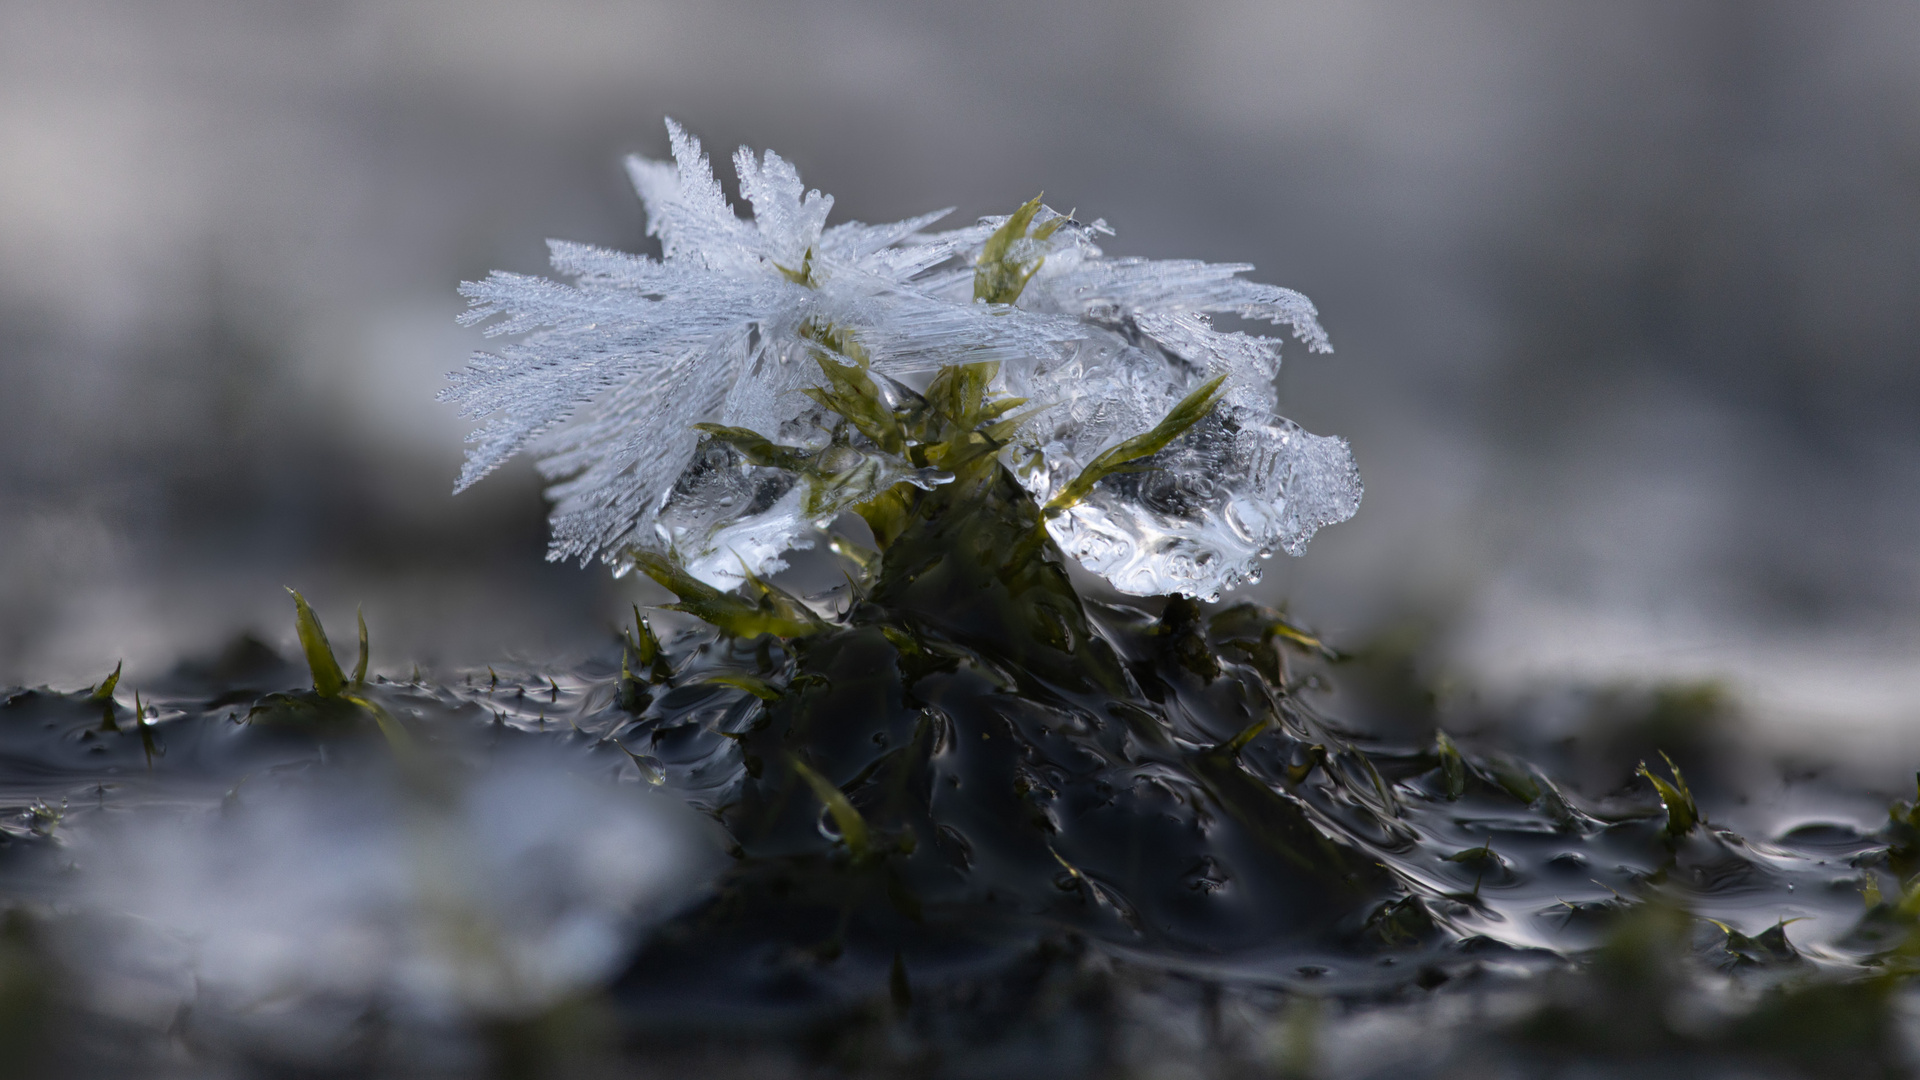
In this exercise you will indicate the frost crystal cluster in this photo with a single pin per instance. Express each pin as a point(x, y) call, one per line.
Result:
point(694, 406)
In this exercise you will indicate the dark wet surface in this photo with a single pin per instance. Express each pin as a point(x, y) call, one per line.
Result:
point(1062, 827)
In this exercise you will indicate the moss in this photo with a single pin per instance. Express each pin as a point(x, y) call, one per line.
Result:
point(1682, 812)
point(1005, 264)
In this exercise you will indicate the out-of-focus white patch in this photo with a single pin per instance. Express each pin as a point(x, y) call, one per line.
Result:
point(306, 904)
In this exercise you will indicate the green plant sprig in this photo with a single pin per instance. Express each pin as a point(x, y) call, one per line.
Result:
point(330, 683)
point(1682, 812)
point(771, 611)
point(1121, 457)
point(846, 818)
point(1003, 269)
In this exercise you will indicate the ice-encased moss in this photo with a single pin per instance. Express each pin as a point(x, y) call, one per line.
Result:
point(744, 322)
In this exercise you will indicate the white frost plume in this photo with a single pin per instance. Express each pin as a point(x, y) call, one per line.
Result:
point(616, 368)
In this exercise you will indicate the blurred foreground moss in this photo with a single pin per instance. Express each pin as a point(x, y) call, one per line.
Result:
point(1643, 1000)
point(30, 988)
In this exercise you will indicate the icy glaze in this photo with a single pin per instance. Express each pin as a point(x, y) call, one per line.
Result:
point(611, 373)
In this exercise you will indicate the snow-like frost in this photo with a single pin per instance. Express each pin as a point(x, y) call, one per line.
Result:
point(611, 372)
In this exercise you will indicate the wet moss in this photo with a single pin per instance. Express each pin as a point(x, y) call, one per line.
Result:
point(981, 824)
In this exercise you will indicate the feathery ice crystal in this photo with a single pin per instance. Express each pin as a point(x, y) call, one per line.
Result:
point(645, 383)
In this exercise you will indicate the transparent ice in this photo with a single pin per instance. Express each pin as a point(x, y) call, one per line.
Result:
point(610, 374)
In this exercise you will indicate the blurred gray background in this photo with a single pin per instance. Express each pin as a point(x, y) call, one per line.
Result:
point(1626, 299)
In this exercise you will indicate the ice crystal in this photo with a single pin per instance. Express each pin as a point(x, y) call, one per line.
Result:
point(685, 405)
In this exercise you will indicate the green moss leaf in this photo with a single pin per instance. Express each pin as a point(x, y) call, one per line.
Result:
point(802, 276)
point(328, 680)
point(774, 612)
point(647, 652)
point(104, 692)
point(148, 744)
point(752, 684)
point(853, 827)
point(853, 395)
point(1003, 270)
point(1233, 746)
point(1682, 813)
point(399, 740)
point(360, 667)
point(1190, 411)
point(837, 476)
point(1453, 768)
point(1516, 778)
point(757, 448)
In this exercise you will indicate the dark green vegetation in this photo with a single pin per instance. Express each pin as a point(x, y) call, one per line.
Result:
point(984, 826)
point(981, 824)
point(971, 769)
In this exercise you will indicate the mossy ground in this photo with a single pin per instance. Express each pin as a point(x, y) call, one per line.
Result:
point(982, 825)
point(1140, 849)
